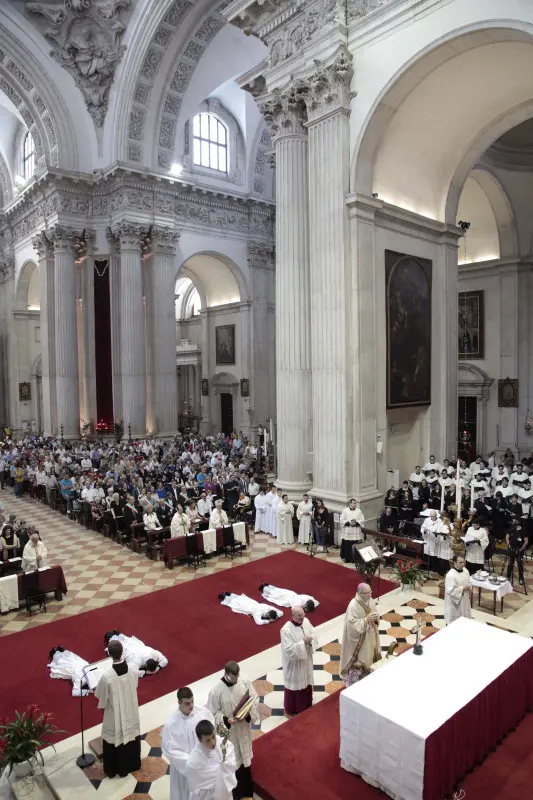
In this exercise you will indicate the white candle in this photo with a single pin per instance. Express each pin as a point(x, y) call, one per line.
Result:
point(442, 498)
point(458, 490)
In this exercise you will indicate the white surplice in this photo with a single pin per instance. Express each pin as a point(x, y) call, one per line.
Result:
point(222, 702)
point(456, 602)
point(137, 653)
point(117, 695)
point(178, 740)
point(303, 514)
point(218, 518)
point(209, 776)
point(284, 515)
point(268, 513)
point(242, 604)
point(475, 553)
point(33, 557)
point(260, 505)
point(286, 597)
point(276, 500)
point(297, 656)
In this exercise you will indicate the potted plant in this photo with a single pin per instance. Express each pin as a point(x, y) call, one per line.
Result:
point(22, 739)
point(408, 573)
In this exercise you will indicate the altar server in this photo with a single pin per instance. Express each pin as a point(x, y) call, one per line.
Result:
point(287, 598)
point(476, 541)
point(298, 643)
point(269, 499)
point(360, 638)
point(211, 766)
point(178, 740)
point(117, 696)
point(223, 701)
point(242, 604)
point(351, 520)
point(284, 515)
point(457, 591)
point(34, 554)
point(274, 523)
point(303, 514)
point(138, 655)
point(260, 505)
point(428, 531)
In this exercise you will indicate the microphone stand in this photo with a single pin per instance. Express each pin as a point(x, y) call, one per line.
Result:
point(85, 759)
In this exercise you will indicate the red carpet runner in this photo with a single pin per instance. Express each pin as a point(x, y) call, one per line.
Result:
point(305, 752)
point(186, 622)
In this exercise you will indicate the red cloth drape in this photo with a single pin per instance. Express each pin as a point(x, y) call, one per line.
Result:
point(467, 738)
point(50, 580)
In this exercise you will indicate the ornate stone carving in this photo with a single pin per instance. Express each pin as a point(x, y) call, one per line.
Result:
point(260, 254)
point(259, 186)
point(86, 37)
point(357, 9)
point(7, 268)
point(128, 234)
point(285, 111)
point(329, 86)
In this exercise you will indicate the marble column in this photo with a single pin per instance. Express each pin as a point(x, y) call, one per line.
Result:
point(205, 400)
point(285, 115)
point(45, 254)
point(86, 335)
point(161, 274)
point(132, 329)
point(328, 106)
point(261, 264)
point(66, 333)
point(115, 302)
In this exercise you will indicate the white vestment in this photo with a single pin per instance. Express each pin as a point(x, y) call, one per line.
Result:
point(218, 518)
point(276, 500)
point(137, 653)
point(297, 656)
point(475, 553)
point(268, 513)
point(242, 604)
point(284, 515)
point(303, 513)
point(179, 525)
point(360, 638)
point(31, 555)
point(209, 776)
point(117, 695)
point(352, 532)
point(428, 532)
point(443, 543)
point(178, 740)
point(260, 514)
point(222, 702)
point(285, 597)
point(456, 602)
point(69, 666)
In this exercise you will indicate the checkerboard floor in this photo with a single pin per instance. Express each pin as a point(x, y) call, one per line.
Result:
point(99, 571)
point(152, 781)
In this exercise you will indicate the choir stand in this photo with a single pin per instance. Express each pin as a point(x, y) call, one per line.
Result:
point(85, 759)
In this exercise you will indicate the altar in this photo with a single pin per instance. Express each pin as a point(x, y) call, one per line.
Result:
point(415, 727)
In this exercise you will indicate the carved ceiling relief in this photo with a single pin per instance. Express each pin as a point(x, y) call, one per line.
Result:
point(86, 38)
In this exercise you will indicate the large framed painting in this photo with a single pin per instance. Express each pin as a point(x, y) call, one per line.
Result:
point(225, 344)
point(408, 309)
point(471, 325)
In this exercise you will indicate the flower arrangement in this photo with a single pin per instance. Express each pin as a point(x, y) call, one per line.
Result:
point(22, 739)
point(408, 573)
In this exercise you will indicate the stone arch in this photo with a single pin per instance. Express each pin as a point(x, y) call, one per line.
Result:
point(236, 146)
point(472, 381)
point(229, 279)
point(417, 101)
point(27, 278)
point(225, 382)
point(6, 182)
point(502, 208)
point(187, 290)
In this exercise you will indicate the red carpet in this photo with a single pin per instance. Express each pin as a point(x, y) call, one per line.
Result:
point(305, 752)
point(186, 622)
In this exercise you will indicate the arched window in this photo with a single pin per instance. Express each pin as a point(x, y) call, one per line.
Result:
point(28, 157)
point(210, 142)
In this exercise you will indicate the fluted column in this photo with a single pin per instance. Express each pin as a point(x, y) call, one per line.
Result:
point(205, 400)
point(161, 272)
point(86, 334)
point(261, 264)
point(132, 329)
point(328, 106)
point(115, 301)
point(66, 333)
point(45, 254)
point(285, 115)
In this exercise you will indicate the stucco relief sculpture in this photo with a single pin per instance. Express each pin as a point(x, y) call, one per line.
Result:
point(86, 37)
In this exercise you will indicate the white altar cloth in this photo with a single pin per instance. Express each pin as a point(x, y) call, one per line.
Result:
point(386, 718)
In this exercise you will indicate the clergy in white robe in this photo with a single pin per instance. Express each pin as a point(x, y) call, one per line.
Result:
point(139, 656)
point(298, 643)
point(260, 505)
point(178, 740)
point(457, 591)
point(223, 702)
point(276, 500)
point(360, 638)
point(269, 498)
point(211, 766)
point(34, 555)
point(180, 524)
point(476, 542)
point(428, 532)
point(242, 604)
point(284, 515)
point(117, 696)
point(286, 598)
point(443, 546)
point(218, 517)
point(351, 531)
point(68, 666)
point(303, 514)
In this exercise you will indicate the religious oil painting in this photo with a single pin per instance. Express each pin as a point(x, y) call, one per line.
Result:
point(471, 325)
point(408, 308)
point(225, 344)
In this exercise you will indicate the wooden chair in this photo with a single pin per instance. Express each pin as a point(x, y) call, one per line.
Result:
point(34, 595)
point(139, 538)
point(195, 556)
point(156, 543)
point(230, 545)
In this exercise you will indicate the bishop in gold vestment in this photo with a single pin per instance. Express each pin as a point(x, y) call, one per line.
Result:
point(360, 639)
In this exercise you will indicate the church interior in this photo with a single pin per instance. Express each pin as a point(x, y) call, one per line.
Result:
point(266, 279)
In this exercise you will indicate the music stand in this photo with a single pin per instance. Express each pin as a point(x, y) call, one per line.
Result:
point(369, 554)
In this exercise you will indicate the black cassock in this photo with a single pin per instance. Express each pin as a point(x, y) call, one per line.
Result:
point(124, 758)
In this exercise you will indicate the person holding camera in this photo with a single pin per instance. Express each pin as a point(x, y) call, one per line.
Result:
point(517, 542)
point(321, 524)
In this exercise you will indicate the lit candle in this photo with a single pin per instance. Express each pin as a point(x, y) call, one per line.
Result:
point(442, 498)
point(458, 490)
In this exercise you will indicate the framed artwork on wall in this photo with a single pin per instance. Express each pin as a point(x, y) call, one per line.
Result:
point(225, 344)
point(205, 387)
point(24, 392)
point(408, 310)
point(508, 393)
point(245, 387)
point(471, 325)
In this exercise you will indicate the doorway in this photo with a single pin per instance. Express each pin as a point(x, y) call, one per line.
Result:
point(467, 424)
point(226, 413)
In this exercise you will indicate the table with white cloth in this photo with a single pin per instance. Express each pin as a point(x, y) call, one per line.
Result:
point(208, 542)
point(499, 590)
point(415, 728)
point(9, 594)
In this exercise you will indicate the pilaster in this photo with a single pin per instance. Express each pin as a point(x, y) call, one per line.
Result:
point(86, 329)
point(115, 303)
point(44, 248)
point(261, 265)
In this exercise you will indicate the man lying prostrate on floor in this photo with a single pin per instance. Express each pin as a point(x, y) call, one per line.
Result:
point(242, 604)
point(70, 667)
point(287, 598)
point(145, 660)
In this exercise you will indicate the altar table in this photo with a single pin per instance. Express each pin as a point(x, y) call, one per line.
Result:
point(207, 542)
point(415, 728)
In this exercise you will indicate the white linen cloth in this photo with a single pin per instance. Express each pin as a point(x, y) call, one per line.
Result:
point(178, 740)
point(9, 594)
point(239, 532)
point(501, 589)
point(383, 733)
point(210, 540)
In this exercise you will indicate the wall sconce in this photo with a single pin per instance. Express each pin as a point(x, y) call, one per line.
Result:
point(528, 424)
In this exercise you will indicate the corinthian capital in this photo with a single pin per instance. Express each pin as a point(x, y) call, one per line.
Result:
point(330, 85)
point(128, 234)
point(284, 111)
point(260, 254)
point(42, 245)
